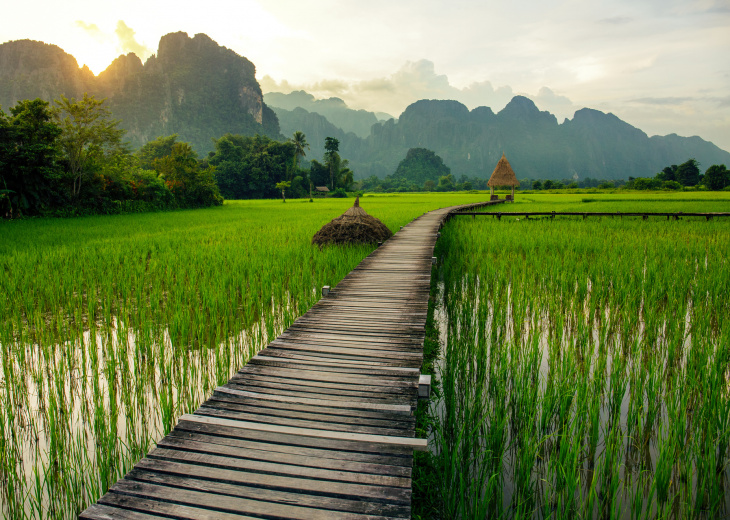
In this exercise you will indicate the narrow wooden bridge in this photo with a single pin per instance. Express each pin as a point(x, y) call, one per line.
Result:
point(318, 425)
point(585, 214)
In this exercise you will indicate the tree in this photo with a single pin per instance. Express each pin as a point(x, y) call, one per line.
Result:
point(536, 185)
point(345, 176)
point(155, 149)
point(669, 173)
point(283, 185)
point(249, 167)
point(717, 177)
point(88, 135)
point(446, 183)
point(332, 158)
point(548, 185)
point(29, 158)
point(300, 144)
point(190, 183)
point(688, 173)
point(421, 165)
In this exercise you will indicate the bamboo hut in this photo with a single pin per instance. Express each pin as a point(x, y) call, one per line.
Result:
point(503, 175)
point(353, 226)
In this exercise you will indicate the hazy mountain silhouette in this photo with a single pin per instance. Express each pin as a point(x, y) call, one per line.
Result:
point(334, 109)
point(592, 144)
point(200, 90)
point(192, 87)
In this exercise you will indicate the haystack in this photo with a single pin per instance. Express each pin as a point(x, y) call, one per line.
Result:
point(503, 175)
point(354, 226)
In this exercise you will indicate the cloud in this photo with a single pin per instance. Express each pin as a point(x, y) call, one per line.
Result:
point(662, 100)
point(92, 30)
point(128, 43)
point(413, 81)
point(616, 20)
point(723, 102)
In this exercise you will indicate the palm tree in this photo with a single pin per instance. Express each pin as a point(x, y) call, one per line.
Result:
point(346, 175)
point(300, 144)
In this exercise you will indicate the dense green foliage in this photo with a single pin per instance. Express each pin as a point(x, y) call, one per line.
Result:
point(717, 177)
point(250, 167)
point(687, 175)
point(421, 165)
point(29, 158)
point(71, 160)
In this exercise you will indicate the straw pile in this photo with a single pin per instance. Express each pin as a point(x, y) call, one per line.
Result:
point(503, 175)
point(354, 226)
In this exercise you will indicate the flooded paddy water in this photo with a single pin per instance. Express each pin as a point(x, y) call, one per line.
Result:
point(584, 369)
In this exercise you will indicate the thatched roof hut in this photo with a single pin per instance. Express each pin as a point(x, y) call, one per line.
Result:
point(354, 226)
point(503, 175)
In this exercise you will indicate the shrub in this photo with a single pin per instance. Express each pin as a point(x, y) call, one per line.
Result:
point(671, 185)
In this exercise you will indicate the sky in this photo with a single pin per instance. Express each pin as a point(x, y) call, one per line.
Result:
point(660, 65)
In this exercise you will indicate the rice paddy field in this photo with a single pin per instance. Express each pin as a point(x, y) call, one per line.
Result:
point(112, 327)
point(583, 371)
point(584, 367)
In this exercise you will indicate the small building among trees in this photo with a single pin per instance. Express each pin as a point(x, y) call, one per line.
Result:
point(503, 175)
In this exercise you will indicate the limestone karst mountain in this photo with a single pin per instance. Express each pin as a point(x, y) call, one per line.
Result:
point(201, 91)
point(192, 87)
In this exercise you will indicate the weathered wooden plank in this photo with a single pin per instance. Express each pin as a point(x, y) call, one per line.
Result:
point(316, 374)
point(416, 444)
point(268, 495)
point(312, 393)
point(323, 366)
point(177, 511)
point(229, 504)
point(270, 444)
point(346, 357)
point(222, 412)
point(374, 493)
point(104, 512)
point(276, 468)
point(300, 399)
point(320, 385)
point(174, 442)
point(336, 448)
point(340, 414)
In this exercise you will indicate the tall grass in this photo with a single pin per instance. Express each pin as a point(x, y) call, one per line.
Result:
point(586, 370)
point(112, 327)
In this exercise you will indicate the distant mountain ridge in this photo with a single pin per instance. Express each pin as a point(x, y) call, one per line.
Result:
point(334, 109)
point(200, 90)
point(592, 144)
point(192, 87)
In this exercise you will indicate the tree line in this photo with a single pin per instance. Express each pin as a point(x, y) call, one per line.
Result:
point(69, 158)
point(685, 175)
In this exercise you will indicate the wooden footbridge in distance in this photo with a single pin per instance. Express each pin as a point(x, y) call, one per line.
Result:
point(318, 425)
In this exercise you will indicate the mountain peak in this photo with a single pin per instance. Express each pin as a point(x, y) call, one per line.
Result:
point(524, 109)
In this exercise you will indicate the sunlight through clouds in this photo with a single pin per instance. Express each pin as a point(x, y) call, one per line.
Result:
point(600, 55)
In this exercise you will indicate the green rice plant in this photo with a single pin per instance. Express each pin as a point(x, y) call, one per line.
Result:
point(112, 327)
point(609, 340)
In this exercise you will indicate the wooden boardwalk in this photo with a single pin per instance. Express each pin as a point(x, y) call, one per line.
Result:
point(319, 424)
point(585, 214)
